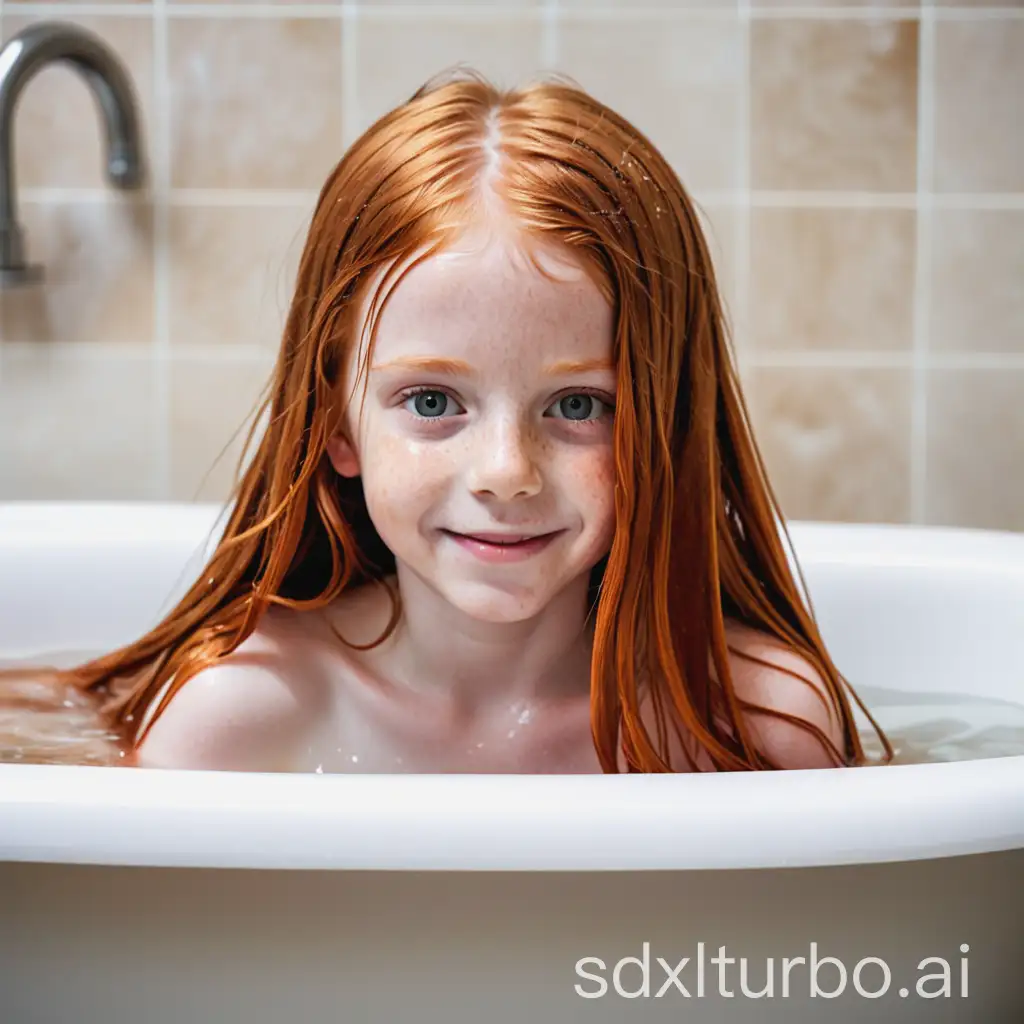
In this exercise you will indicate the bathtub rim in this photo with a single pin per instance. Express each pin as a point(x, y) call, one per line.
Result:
point(797, 818)
point(150, 817)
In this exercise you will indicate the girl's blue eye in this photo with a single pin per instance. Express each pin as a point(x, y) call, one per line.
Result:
point(579, 407)
point(582, 408)
point(429, 404)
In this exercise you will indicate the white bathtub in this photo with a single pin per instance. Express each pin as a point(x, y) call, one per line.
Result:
point(160, 897)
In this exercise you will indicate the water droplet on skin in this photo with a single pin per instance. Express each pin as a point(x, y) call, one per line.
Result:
point(398, 760)
point(319, 769)
point(69, 704)
point(511, 733)
point(479, 745)
point(524, 716)
point(355, 757)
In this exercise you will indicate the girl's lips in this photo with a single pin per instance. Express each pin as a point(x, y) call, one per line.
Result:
point(488, 551)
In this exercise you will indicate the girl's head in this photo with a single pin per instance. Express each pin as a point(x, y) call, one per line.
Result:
point(530, 256)
point(488, 409)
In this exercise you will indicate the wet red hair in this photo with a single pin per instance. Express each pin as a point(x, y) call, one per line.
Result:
point(698, 534)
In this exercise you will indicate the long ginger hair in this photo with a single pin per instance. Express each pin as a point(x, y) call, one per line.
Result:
point(698, 529)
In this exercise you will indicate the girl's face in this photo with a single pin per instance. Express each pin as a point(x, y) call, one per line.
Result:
point(488, 412)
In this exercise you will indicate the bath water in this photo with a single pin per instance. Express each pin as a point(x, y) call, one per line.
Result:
point(44, 725)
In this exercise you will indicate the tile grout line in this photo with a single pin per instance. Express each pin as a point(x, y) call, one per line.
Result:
point(161, 171)
point(714, 197)
point(119, 351)
point(922, 268)
point(500, 11)
point(349, 73)
point(743, 340)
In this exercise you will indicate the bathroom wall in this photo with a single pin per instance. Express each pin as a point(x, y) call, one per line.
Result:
point(861, 168)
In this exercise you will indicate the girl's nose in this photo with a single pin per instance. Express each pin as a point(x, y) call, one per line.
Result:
point(503, 463)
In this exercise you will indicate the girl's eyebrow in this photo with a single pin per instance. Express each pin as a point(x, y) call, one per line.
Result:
point(460, 368)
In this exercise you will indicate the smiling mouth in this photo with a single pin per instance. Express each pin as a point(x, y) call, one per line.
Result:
point(501, 539)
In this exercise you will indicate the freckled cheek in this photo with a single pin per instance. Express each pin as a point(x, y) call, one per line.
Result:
point(590, 484)
point(402, 478)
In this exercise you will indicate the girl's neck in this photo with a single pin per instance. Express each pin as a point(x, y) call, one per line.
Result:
point(481, 667)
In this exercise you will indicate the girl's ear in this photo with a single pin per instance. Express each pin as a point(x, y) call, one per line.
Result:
point(342, 455)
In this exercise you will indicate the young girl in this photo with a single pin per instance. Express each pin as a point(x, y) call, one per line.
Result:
point(507, 514)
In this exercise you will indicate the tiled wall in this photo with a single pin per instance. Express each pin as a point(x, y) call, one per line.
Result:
point(862, 168)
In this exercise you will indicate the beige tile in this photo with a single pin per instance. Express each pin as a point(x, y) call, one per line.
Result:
point(977, 286)
point(976, 448)
point(677, 80)
point(832, 279)
point(833, 104)
point(720, 225)
point(76, 427)
point(398, 55)
point(97, 260)
point(212, 406)
point(255, 102)
point(232, 272)
point(979, 76)
point(836, 441)
point(58, 132)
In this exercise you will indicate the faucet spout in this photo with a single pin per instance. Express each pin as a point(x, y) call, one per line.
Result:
point(21, 58)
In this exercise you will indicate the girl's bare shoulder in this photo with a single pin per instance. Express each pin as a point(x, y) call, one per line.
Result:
point(248, 711)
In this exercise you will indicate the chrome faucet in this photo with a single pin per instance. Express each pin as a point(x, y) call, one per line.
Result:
point(26, 53)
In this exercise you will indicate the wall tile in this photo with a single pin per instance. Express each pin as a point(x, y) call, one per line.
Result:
point(677, 80)
point(979, 82)
point(97, 260)
point(398, 55)
point(255, 102)
point(836, 441)
point(976, 448)
point(210, 402)
point(833, 105)
point(977, 289)
point(232, 272)
point(720, 225)
point(58, 132)
point(78, 428)
point(832, 278)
